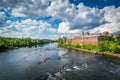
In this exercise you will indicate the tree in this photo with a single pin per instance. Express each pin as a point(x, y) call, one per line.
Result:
point(108, 38)
point(60, 41)
point(118, 40)
point(113, 47)
point(103, 46)
point(7, 43)
point(109, 46)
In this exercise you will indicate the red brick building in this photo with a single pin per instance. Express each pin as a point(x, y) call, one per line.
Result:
point(86, 39)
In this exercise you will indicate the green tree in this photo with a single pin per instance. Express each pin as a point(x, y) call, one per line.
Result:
point(60, 41)
point(113, 47)
point(103, 46)
point(108, 38)
point(6, 43)
point(118, 40)
point(77, 46)
point(108, 46)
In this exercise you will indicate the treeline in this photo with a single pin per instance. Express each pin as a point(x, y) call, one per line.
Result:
point(7, 43)
point(109, 44)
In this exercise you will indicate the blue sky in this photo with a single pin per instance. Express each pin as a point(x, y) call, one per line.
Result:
point(52, 19)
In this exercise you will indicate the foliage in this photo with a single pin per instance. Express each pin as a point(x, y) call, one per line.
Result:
point(77, 46)
point(6, 43)
point(60, 41)
point(118, 40)
point(103, 46)
point(109, 46)
point(108, 38)
point(113, 48)
point(88, 46)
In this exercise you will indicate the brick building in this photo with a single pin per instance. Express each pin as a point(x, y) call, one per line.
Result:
point(87, 39)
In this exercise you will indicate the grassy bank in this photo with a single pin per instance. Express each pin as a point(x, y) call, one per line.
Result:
point(93, 51)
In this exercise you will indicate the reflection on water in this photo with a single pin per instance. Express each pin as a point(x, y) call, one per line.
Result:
point(50, 62)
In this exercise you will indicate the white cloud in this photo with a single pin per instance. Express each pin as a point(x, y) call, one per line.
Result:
point(63, 27)
point(87, 18)
point(31, 8)
point(74, 18)
point(60, 9)
point(54, 36)
point(65, 31)
point(81, 18)
point(17, 12)
point(8, 21)
point(40, 8)
point(84, 18)
point(2, 15)
point(110, 27)
point(93, 20)
point(112, 15)
point(53, 30)
point(2, 18)
point(26, 28)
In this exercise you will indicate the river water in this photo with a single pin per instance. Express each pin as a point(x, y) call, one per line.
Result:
point(50, 62)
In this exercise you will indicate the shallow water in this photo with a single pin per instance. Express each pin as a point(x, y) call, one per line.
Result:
point(51, 62)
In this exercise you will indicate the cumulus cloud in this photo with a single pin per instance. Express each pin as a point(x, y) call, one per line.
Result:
point(42, 4)
point(84, 18)
point(75, 19)
point(40, 8)
point(63, 27)
point(2, 18)
point(31, 8)
point(61, 9)
point(65, 31)
point(26, 28)
point(9, 3)
point(53, 30)
point(26, 8)
point(79, 17)
point(2, 15)
point(112, 15)
point(93, 20)
point(111, 27)
point(87, 18)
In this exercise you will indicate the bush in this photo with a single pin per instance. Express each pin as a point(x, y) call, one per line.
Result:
point(118, 40)
point(77, 46)
point(108, 38)
point(109, 46)
point(113, 47)
point(60, 41)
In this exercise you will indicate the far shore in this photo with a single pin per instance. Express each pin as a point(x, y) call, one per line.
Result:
point(96, 52)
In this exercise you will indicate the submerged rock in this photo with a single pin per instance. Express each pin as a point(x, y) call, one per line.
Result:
point(41, 62)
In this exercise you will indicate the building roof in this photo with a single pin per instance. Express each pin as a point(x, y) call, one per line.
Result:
point(93, 35)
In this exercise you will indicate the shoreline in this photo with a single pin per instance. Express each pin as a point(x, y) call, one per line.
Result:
point(95, 52)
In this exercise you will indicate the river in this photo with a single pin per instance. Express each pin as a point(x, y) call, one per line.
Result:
point(50, 62)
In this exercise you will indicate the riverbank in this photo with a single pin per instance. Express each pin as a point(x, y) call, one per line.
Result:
point(11, 43)
point(95, 52)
